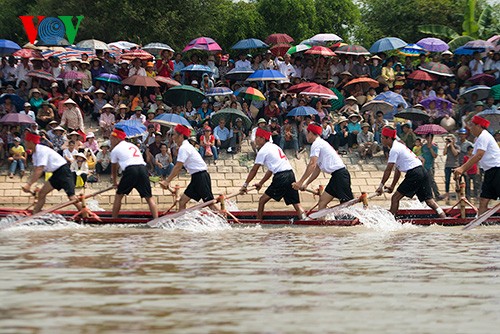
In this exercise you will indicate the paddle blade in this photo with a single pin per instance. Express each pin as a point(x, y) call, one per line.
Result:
point(481, 219)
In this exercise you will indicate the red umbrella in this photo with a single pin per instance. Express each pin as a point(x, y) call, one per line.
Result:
point(366, 83)
point(166, 80)
point(420, 75)
point(202, 43)
point(139, 80)
point(15, 118)
point(430, 128)
point(278, 39)
point(319, 91)
point(137, 53)
point(321, 50)
point(483, 79)
point(28, 53)
point(280, 49)
point(300, 87)
point(41, 75)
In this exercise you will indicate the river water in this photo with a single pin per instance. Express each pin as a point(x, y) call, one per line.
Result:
point(214, 278)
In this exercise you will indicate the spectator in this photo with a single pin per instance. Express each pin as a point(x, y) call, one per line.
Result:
point(472, 176)
point(17, 158)
point(70, 152)
point(163, 162)
point(80, 170)
point(223, 136)
point(408, 136)
point(451, 151)
point(289, 136)
point(429, 154)
point(207, 144)
point(366, 144)
point(103, 160)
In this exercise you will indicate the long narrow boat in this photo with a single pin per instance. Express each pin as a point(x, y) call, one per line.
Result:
point(422, 217)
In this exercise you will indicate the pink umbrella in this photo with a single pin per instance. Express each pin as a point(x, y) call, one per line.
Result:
point(203, 43)
point(72, 75)
point(278, 39)
point(166, 80)
point(319, 91)
point(420, 75)
point(483, 79)
point(321, 50)
point(430, 128)
point(15, 118)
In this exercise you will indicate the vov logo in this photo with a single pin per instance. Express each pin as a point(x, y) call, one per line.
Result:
point(51, 30)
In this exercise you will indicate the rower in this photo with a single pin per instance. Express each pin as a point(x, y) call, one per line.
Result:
point(487, 153)
point(277, 163)
point(324, 158)
point(128, 157)
point(200, 186)
point(47, 160)
point(417, 180)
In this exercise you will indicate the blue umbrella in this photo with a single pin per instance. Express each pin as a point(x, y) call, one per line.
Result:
point(8, 47)
point(219, 91)
point(394, 99)
point(386, 44)
point(251, 43)
point(171, 120)
point(302, 111)
point(16, 100)
point(132, 127)
point(266, 75)
point(463, 51)
point(197, 68)
point(108, 77)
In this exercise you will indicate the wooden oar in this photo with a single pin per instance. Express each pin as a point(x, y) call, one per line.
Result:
point(54, 208)
point(324, 212)
point(481, 219)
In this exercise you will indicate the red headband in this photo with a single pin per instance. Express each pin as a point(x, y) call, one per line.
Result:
point(388, 132)
point(314, 128)
point(484, 123)
point(120, 134)
point(183, 130)
point(263, 133)
point(35, 139)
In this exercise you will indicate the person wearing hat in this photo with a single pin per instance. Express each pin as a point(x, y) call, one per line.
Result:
point(138, 115)
point(107, 120)
point(351, 106)
point(366, 142)
point(122, 113)
point(103, 160)
point(375, 65)
point(278, 166)
point(21, 72)
point(96, 67)
point(354, 128)
point(28, 112)
point(463, 142)
point(341, 135)
point(72, 116)
point(213, 67)
point(487, 153)
point(91, 143)
point(58, 139)
point(137, 69)
point(17, 158)
point(128, 158)
point(47, 160)
point(80, 169)
point(261, 123)
point(416, 181)
point(194, 83)
point(123, 68)
point(36, 99)
point(98, 103)
point(150, 69)
point(188, 157)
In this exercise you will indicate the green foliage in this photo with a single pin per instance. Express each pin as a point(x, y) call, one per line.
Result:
point(438, 30)
point(337, 16)
point(459, 41)
point(470, 26)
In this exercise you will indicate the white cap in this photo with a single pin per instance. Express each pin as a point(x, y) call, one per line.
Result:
point(27, 104)
point(194, 82)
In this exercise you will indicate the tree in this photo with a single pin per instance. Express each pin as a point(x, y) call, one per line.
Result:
point(337, 16)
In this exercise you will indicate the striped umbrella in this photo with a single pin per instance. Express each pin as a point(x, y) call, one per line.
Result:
point(250, 93)
point(157, 48)
point(366, 83)
point(219, 91)
point(321, 51)
point(434, 129)
point(41, 75)
point(72, 75)
point(28, 53)
point(437, 68)
point(138, 53)
point(354, 50)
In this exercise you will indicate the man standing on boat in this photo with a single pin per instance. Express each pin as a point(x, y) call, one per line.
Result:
point(416, 181)
point(47, 160)
point(487, 153)
point(273, 157)
point(128, 157)
point(324, 158)
point(200, 186)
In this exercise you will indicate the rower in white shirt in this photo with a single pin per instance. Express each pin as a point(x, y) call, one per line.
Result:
point(275, 160)
point(325, 159)
point(417, 180)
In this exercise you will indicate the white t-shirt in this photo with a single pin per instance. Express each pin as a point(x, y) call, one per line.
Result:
point(126, 154)
point(488, 144)
point(328, 160)
point(403, 157)
point(191, 158)
point(273, 157)
point(241, 64)
point(47, 157)
point(30, 113)
point(70, 155)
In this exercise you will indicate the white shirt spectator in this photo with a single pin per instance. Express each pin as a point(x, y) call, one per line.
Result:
point(241, 64)
point(137, 71)
point(30, 113)
point(473, 69)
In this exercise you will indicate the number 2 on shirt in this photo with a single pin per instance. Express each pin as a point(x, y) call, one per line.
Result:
point(135, 154)
point(282, 155)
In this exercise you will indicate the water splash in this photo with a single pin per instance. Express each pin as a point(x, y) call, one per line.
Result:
point(93, 205)
point(412, 203)
point(197, 221)
point(231, 205)
point(49, 221)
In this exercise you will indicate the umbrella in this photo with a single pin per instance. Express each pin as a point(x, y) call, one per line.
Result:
point(72, 75)
point(302, 111)
point(132, 128)
point(437, 68)
point(482, 92)
point(420, 75)
point(495, 92)
point(463, 51)
point(138, 53)
point(156, 48)
point(110, 78)
point(171, 120)
point(41, 75)
point(122, 45)
point(139, 80)
point(93, 44)
point(298, 48)
point(278, 38)
point(376, 105)
point(197, 68)
point(483, 79)
point(321, 51)
point(16, 100)
point(202, 43)
point(394, 99)
point(479, 44)
point(413, 114)
point(300, 87)
point(354, 50)
point(495, 40)
point(239, 73)
point(8, 47)
point(250, 43)
point(219, 91)
point(179, 95)
point(366, 83)
point(494, 117)
point(325, 38)
point(319, 91)
point(434, 129)
point(433, 44)
point(280, 49)
point(386, 44)
point(266, 75)
point(27, 53)
point(168, 81)
point(230, 115)
point(250, 93)
point(15, 119)
point(441, 104)
point(411, 50)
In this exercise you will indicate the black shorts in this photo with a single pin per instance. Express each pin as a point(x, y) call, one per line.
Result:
point(135, 177)
point(62, 178)
point(281, 187)
point(340, 185)
point(417, 182)
point(200, 187)
point(491, 184)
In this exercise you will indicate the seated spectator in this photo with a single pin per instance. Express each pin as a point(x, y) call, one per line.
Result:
point(223, 136)
point(91, 143)
point(163, 162)
point(261, 123)
point(354, 127)
point(27, 111)
point(91, 160)
point(289, 136)
point(17, 158)
point(328, 130)
point(408, 136)
point(45, 115)
point(207, 144)
point(350, 107)
point(341, 135)
point(58, 139)
point(107, 120)
point(138, 116)
point(153, 149)
point(70, 152)
point(239, 134)
point(272, 110)
point(275, 129)
point(80, 170)
point(103, 160)
point(367, 146)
